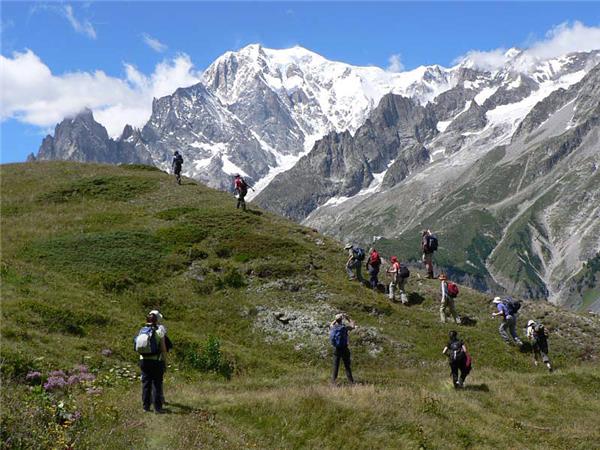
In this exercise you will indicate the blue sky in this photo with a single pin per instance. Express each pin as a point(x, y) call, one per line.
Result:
point(66, 44)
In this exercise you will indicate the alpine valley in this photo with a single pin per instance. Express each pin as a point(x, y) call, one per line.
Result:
point(502, 163)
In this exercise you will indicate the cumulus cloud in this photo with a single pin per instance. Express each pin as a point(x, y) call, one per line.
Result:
point(562, 39)
point(32, 94)
point(395, 63)
point(153, 43)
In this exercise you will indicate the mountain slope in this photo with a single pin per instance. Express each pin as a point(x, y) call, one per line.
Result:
point(119, 241)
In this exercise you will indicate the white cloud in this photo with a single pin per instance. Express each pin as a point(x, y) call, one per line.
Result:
point(80, 26)
point(395, 63)
point(562, 39)
point(32, 94)
point(153, 43)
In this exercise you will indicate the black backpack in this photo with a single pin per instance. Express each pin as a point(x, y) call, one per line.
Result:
point(432, 243)
point(512, 305)
point(456, 351)
point(539, 330)
point(179, 160)
point(403, 272)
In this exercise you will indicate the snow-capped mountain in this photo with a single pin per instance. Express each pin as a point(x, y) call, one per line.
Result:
point(503, 165)
point(258, 110)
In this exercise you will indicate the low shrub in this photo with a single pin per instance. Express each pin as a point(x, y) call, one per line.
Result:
point(206, 357)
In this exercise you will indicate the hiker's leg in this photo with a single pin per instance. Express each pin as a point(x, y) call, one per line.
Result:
point(146, 385)
point(357, 266)
point(512, 326)
point(158, 386)
point(443, 312)
point(503, 332)
point(349, 271)
point(336, 365)
point(452, 308)
point(454, 372)
point(391, 293)
point(239, 203)
point(347, 366)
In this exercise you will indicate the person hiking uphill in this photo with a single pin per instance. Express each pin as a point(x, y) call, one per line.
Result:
point(168, 344)
point(372, 266)
point(151, 346)
point(508, 310)
point(429, 244)
point(356, 255)
point(536, 333)
point(458, 358)
point(399, 274)
point(176, 165)
point(449, 292)
point(241, 188)
point(338, 336)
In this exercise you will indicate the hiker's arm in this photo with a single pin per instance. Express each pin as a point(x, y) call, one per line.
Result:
point(163, 349)
point(445, 350)
point(351, 325)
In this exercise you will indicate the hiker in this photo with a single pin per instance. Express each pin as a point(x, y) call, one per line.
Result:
point(429, 244)
point(373, 265)
point(449, 293)
point(151, 346)
point(168, 343)
point(508, 309)
point(399, 274)
point(459, 359)
point(539, 341)
point(176, 165)
point(241, 189)
point(355, 259)
point(338, 336)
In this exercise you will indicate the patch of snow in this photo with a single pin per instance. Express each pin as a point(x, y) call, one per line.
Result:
point(442, 125)
point(485, 94)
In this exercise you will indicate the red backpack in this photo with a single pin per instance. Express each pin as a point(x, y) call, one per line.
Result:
point(375, 260)
point(452, 289)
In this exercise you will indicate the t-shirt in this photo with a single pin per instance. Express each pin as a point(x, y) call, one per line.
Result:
point(158, 335)
point(502, 308)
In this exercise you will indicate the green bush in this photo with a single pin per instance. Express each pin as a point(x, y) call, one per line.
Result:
point(206, 357)
point(141, 167)
point(116, 188)
point(111, 260)
point(182, 234)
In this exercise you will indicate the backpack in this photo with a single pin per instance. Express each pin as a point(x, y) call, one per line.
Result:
point(359, 253)
point(431, 243)
point(512, 305)
point(538, 330)
point(403, 272)
point(179, 159)
point(452, 289)
point(145, 342)
point(338, 336)
point(375, 260)
point(456, 351)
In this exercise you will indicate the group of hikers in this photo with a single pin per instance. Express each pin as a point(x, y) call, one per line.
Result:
point(240, 185)
point(152, 343)
point(458, 356)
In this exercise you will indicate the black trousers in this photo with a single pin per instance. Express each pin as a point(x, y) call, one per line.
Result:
point(241, 199)
point(342, 354)
point(455, 367)
point(152, 383)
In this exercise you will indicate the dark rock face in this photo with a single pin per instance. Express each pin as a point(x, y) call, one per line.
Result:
point(81, 138)
point(472, 119)
point(341, 164)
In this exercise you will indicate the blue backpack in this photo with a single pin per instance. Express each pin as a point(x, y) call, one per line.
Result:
point(339, 336)
point(359, 253)
point(145, 342)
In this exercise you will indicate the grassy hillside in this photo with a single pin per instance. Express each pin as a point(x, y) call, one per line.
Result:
point(87, 250)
